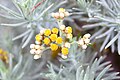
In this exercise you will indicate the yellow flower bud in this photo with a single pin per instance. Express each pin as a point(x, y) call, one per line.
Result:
point(38, 37)
point(46, 41)
point(61, 10)
point(47, 32)
point(53, 47)
point(68, 30)
point(65, 51)
point(3, 56)
point(55, 31)
point(1, 50)
point(53, 37)
point(59, 40)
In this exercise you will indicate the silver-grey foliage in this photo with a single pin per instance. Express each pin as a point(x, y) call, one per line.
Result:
point(30, 16)
point(102, 15)
point(81, 66)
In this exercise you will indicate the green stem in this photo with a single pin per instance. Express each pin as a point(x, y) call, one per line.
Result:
point(60, 22)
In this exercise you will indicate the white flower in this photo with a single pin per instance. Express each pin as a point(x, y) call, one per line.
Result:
point(69, 36)
point(67, 13)
point(86, 36)
point(32, 46)
point(64, 57)
point(62, 27)
point(42, 31)
point(53, 14)
point(37, 56)
point(38, 51)
point(37, 46)
point(87, 41)
point(67, 45)
point(61, 15)
point(32, 51)
point(84, 46)
point(56, 15)
point(37, 42)
point(81, 42)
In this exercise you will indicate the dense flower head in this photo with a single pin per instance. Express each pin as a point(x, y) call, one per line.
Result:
point(58, 40)
point(3, 56)
point(50, 38)
point(83, 42)
point(36, 50)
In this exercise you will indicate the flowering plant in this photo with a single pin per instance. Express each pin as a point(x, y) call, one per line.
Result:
point(59, 39)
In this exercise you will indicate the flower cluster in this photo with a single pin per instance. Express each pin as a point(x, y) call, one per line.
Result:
point(3, 56)
point(57, 39)
point(36, 50)
point(61, 14)
point(50, 38)
point(83, 42)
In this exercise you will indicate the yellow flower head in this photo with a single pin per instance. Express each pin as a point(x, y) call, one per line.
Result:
point(3, 56)
point(68, 30)
point(47, 32)
point(59, 40)
point(65, 51)
point(46, 41)
point(38, 37)
point(61, 10)
point(53, 37)
point(55, 30)
point(53, 47)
